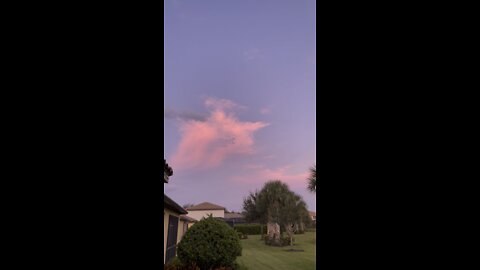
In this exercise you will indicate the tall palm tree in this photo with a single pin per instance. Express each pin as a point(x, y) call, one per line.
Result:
point(312, 179)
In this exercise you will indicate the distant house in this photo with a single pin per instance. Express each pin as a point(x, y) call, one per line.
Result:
point(234, 218)
point(173, 224)
point(313, 216)
point(204, 209)
point(187, 222)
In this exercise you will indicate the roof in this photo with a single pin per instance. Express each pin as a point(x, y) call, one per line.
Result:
point(172, 205)
point(312, 213)
point(187, 218)
point(206, 206)
point(233, 215)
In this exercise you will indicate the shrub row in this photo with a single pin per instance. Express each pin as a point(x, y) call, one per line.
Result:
point(250, 229)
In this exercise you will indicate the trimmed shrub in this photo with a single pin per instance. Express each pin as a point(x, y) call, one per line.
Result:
point(250, 229)
point(210, 243)
point(176, 264)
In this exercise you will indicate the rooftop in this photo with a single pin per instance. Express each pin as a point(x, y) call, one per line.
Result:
point(172, 205)
point(187, 218)
point(206, 206)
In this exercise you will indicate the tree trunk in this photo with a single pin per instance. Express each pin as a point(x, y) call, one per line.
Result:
point(289, 230)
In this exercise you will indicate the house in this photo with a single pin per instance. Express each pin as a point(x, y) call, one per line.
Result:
point(313, 216)
point(187, 222)
point(173, 224)
point(234, 218)
point(204, 209)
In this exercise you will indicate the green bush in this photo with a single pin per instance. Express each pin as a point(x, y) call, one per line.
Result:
point(250, 229)
point(242, 235)
point(284, 241)
point(210, 243)
point(176, 264)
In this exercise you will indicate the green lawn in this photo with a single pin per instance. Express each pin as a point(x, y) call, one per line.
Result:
point(258, 256)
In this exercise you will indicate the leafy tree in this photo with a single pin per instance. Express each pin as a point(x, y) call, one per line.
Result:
point(275, 203)
point(185, 206)
point(251, 212)
point(312, 179)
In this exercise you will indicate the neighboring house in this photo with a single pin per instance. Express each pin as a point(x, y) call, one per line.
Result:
point(186, 223)
point(173, 225)
point(234, 218)
point(204, 209)
point(313, 216)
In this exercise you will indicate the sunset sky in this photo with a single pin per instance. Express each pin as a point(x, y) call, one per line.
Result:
point(240, 84)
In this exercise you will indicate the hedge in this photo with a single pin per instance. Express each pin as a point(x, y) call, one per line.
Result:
point(250, 229)
point(209, 243)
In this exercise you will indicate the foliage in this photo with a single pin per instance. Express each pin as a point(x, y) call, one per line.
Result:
point(210, 243)
point(250, 229)
point(242, 235)
point(312, 179)
point(176, 264)
point(275, 203)
point(251, 212)
point(188, 205)
point(284, 241)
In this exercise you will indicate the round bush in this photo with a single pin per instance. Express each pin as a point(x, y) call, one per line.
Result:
point(210, 243)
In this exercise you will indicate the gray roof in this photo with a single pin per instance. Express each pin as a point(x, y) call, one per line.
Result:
point(187, 218)
point(206, 206)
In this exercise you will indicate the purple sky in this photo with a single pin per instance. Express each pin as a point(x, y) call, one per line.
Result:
point(239, 97)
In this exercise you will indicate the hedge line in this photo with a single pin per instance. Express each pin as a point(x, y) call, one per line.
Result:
point(250, 229)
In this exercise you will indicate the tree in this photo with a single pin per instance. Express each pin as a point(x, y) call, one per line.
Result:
point(185, 206)
point(277, 206)
point(251, 211)
point(294, 211)
point(312, 179)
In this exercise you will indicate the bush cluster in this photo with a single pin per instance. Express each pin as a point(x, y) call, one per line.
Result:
point(210, 244)
point(250, 229)
point(176, 264)
point(284, 241)
point(242, 235)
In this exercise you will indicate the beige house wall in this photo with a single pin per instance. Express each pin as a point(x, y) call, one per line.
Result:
point(180, 230)
point(199, 214)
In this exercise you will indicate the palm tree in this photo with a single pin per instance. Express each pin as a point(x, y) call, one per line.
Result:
point(312, 179)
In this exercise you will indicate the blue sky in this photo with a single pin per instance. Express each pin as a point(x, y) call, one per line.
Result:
point(239, 97)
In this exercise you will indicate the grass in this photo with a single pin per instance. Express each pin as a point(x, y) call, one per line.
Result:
point(258, 256)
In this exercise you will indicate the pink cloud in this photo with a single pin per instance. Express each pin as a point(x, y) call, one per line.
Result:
point(256, 175)
point(265, 111)
point(208, 143)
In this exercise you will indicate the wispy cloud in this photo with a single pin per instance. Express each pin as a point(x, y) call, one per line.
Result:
point(265, 111)
point(208, 143)
point(256, 175)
